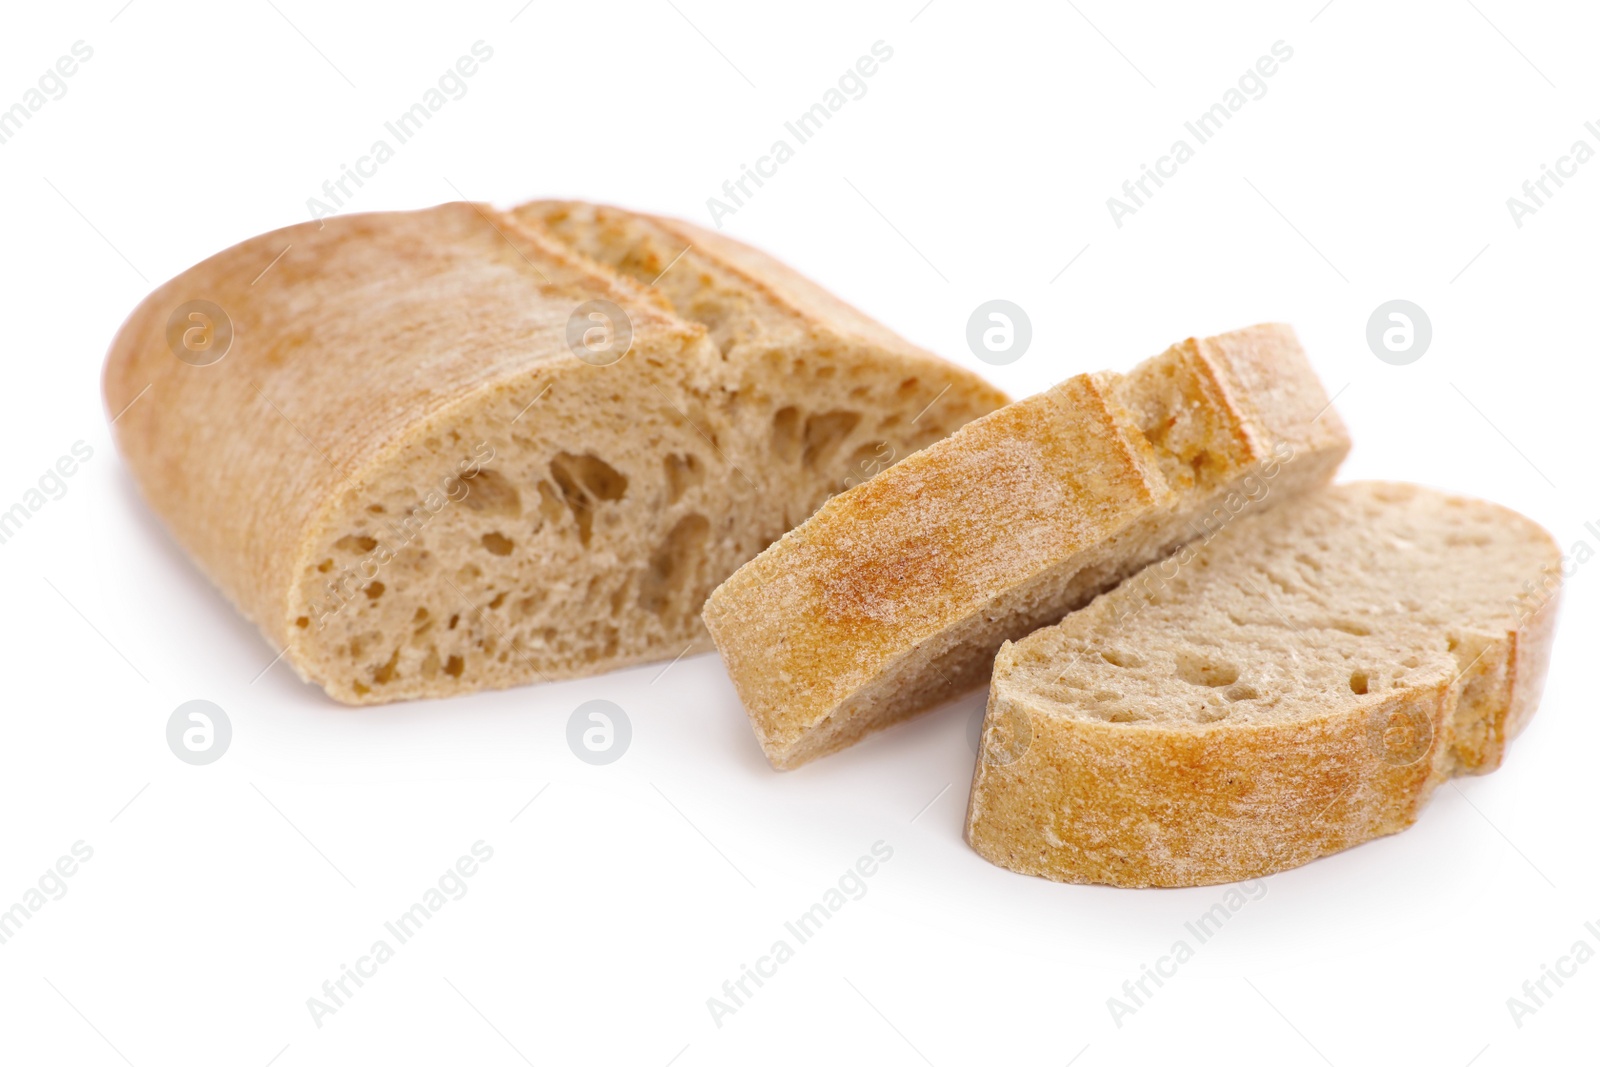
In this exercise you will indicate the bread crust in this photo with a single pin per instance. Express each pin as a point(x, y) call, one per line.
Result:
point(1139, 804)
point(895, 595)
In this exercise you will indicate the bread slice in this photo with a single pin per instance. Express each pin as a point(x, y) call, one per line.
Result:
point(895, 595)
point(405, 474)
point(1297, 685)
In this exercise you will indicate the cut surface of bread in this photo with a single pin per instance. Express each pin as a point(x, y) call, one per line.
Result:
point(1297, 685)
point(405, 474)
point(896, 594)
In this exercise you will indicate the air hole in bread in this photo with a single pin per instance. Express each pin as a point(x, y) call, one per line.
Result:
point(497, 543)
point(1198, 669)
point(375, 590)
point(825, 433)
point(786, 433)
point(360, 643)
point(550, 506)
point(1358, 683)
point(683, 473)
point(672, 565)
point(601, 479)
point(1356, 628)
point(453, 666)
point(491, 493)
point(387, 672)
point(1120, 658)
point(584, 481)
point(359, 544)
point(1242, 692)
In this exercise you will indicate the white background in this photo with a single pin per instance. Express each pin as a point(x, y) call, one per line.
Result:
point(978, 164)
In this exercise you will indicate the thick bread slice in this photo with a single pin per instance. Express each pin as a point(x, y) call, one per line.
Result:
point(406, 477)
point(1295, 686)
point(895, 595)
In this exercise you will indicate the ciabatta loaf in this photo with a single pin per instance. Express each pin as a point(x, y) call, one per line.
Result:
point(896, 594)
point(445, 450)
point(1297, 685)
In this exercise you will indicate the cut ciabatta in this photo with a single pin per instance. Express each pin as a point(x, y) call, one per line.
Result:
point(1297, 685)
point(896, 594)
point(403, 472)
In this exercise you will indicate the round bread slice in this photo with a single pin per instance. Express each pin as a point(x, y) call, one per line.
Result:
point(1294, 686)
point(439, 451)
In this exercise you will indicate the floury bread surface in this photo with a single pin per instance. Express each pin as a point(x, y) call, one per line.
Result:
point(1297, 685)
point(402, 471)
point(896, 594)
